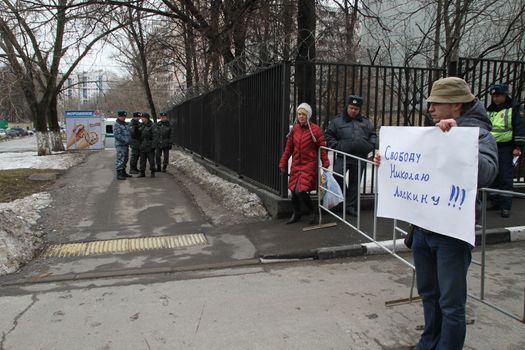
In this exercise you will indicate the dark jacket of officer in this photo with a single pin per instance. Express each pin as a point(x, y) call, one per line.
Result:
point(164, 129)
point(134, 131)
point(148, 137)
point(353, 136)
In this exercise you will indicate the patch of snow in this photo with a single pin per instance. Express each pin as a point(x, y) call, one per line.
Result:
point(234, 197)
point(19, 239)
point(30, 160)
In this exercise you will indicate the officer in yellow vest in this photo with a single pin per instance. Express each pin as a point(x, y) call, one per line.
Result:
point(509, 132)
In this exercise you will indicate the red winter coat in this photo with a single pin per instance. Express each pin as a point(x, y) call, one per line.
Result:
point(303, 150)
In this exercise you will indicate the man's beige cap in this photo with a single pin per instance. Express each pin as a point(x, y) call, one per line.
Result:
point(450, 90)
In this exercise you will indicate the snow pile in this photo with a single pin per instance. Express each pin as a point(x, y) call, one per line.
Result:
point(234, 197)
point(30, 160)
point(18, 239)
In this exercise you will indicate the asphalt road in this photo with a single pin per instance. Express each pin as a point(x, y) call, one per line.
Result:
point(340, 304)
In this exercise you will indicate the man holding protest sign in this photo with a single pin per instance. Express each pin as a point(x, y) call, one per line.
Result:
point(422, 194)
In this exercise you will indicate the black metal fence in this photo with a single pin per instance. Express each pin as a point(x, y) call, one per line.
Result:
point(482, 73)
point(243, 125)
point(392, 95)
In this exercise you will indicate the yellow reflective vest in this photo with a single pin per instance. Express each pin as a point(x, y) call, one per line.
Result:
point(501, 125)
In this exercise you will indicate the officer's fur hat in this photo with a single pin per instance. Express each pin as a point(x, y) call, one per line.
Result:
point(122, 114)
point(355, 100)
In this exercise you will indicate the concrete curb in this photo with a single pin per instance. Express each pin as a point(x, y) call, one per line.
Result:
point(494, 236)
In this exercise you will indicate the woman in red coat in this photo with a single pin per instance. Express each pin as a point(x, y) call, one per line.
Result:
point(303, 144)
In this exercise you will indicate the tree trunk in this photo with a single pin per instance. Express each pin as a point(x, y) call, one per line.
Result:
point(305, 70)
point(287, 14)
point(42, 143)
point(437, 38)
point(350, 23)
point(188, 56)
point(42, 136)
point(57, 144)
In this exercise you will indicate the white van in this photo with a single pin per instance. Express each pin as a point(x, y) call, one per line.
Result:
point(109, 138)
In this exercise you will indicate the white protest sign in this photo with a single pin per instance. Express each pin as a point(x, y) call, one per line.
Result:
point(429, 178)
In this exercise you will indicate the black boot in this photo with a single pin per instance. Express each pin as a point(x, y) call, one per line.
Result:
point(126, 174)
point(158, 168)
point(312, 212)
point(164, 168)
point(142, 174)
point(296, 205)
point(152, 173)
point(134, 171)
point(120, 175)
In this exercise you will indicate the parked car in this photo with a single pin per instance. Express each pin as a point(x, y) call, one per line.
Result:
point(3, 134)
point(21, 131)
point(12, 133)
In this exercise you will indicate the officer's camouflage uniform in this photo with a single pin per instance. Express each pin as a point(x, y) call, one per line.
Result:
point(122, 139)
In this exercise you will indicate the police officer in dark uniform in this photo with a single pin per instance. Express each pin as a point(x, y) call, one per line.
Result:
point(122, 139)
point(134, 130)
point(164, 145)
point(352, 133)
point(509, 132)
point(148, 143)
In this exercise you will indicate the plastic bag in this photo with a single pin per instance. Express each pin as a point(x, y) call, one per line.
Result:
point(330, 191)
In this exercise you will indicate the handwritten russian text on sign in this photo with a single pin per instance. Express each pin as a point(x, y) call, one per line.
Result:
point(429, 178)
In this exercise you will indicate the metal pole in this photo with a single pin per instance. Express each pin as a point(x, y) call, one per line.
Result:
point(358, 190)
point(344, 186)
point(319, 174)
point(483, 240)
point(374, 233)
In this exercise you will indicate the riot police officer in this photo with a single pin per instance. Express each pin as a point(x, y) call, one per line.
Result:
point(134, 130)
point(122, 139)
point(148, 143)
point(164, 145)
point(509, 132)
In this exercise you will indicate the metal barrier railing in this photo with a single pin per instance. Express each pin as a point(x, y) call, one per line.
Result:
point(396, 229)
point(361, 161)
point(482, 264)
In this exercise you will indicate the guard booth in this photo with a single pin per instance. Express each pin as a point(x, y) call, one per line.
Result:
point(84, 130)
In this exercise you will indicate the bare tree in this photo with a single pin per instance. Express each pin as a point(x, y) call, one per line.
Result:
point(437, 32)
point(34, 40)
point(13, 105)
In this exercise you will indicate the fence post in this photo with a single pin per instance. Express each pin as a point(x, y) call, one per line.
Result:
point(285, 111)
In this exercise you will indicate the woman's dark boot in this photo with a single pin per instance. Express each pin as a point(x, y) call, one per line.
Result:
point(312, 211)
point(296, 205)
